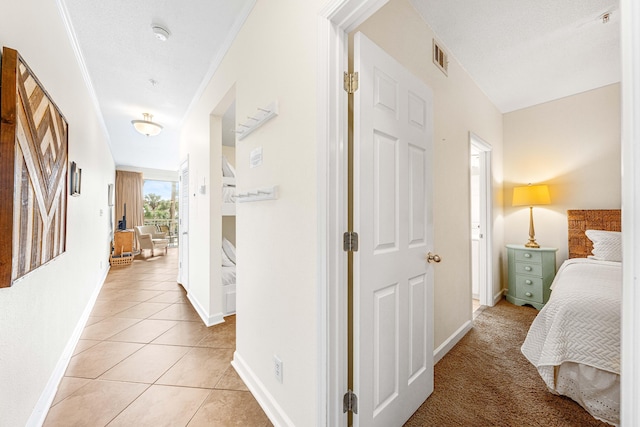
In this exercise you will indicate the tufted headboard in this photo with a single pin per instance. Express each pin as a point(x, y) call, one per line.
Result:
point(589, 219)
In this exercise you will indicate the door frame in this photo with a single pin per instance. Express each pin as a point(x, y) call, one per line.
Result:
point(183, 270)
point(335, 21)
point(485, 246)
point(630, 40)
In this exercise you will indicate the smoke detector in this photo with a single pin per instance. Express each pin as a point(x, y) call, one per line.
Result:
point(161, 33)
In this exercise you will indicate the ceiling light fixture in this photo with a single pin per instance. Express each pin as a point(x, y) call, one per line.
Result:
point(147, 126)
point(161, 33)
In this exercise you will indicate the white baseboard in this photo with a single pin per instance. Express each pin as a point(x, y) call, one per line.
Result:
point(49, 393)
point(448, 344)
point(497, 297)
point(209, 320)
point(274, 412)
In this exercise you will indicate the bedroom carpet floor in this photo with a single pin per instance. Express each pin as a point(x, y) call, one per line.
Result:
point(146, 359)
point(486, 381)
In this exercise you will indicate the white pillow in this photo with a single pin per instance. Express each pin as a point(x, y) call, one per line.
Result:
point(227, 169)
point(229, 250)
point(226, 262)
point(607, 245)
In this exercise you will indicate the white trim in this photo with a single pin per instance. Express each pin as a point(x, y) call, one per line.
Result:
point(630, 378)
point(486, 219)
point(334, 21)
point(41, 409)
point(498, 296)
point(208, 319)
point(450, 342)
point(64, 14)
point(183, 271)
point(267, 402)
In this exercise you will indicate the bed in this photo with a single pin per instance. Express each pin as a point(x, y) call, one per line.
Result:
point(228, 277)
point(228, 188)
point(574, 342)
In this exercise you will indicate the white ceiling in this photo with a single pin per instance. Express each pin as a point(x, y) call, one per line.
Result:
point(122, 55)
point(520, 53)
point(526, 52)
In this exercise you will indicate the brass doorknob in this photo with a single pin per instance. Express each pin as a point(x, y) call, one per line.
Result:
point(433, 257)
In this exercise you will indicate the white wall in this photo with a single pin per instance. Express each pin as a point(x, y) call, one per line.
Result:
point(571, 144)
point(38, 314)
point(460, 107)
point(272, 58)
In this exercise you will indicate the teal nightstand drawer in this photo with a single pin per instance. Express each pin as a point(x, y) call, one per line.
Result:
point(531, 272)
point(528, 268)
point(530, 256)
point(532, 295)
point(525, 282)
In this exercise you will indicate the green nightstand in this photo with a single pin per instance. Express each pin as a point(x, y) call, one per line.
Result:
point(531, 271)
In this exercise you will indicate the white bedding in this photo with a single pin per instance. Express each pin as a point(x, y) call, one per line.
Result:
point(228, 194)
point(580, 327)
point(229, 275)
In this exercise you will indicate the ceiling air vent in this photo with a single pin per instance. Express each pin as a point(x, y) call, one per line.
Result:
point(440, 58)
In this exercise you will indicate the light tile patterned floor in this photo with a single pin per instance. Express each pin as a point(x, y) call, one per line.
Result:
point(146, 359)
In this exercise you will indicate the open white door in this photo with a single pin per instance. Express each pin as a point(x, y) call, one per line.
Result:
point(183, 231)
point(393, 283)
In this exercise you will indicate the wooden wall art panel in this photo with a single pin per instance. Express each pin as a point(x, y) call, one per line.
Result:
point(33, 172)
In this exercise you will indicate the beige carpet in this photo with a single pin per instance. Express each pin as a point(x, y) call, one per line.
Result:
point(486, 381)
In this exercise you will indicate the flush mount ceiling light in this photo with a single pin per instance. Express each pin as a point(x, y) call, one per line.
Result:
point(161, 33)
point(147, 126)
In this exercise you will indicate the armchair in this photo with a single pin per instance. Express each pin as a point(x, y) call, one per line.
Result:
point(150, 238)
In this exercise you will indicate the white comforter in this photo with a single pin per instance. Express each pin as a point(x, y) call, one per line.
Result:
point(581, 324)
point(581, 321)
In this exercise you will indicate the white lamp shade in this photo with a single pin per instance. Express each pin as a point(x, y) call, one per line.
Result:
point(147, 126)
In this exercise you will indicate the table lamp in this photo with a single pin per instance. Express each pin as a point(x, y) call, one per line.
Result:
point(531, 195)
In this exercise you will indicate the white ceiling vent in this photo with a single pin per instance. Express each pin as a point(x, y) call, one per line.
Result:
point(440, 58)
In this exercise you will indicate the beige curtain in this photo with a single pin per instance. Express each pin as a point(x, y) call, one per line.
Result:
point(129, 191)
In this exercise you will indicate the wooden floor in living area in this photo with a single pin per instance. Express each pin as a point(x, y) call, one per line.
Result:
point(146, 359)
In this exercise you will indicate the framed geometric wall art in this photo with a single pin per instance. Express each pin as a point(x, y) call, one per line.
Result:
point(33, 172)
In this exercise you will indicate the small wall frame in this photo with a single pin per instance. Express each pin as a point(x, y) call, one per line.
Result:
point(75, 179)
point(33, 172)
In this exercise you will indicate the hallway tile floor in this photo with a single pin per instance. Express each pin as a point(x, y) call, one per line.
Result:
point(146, 359)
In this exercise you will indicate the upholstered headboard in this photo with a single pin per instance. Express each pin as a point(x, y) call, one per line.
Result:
point(593, 219)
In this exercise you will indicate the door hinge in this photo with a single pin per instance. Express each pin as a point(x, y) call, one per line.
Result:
point(350, 402)
point(350, 82)
point(350, 240)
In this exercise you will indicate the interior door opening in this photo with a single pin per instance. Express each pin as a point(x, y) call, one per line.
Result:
point(474, 185)
point(228, 219)
point(481, 223)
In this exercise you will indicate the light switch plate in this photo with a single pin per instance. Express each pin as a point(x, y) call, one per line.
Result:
point(255, 158)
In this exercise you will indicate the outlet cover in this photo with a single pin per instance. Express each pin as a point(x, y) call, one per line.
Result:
point(277, 368)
